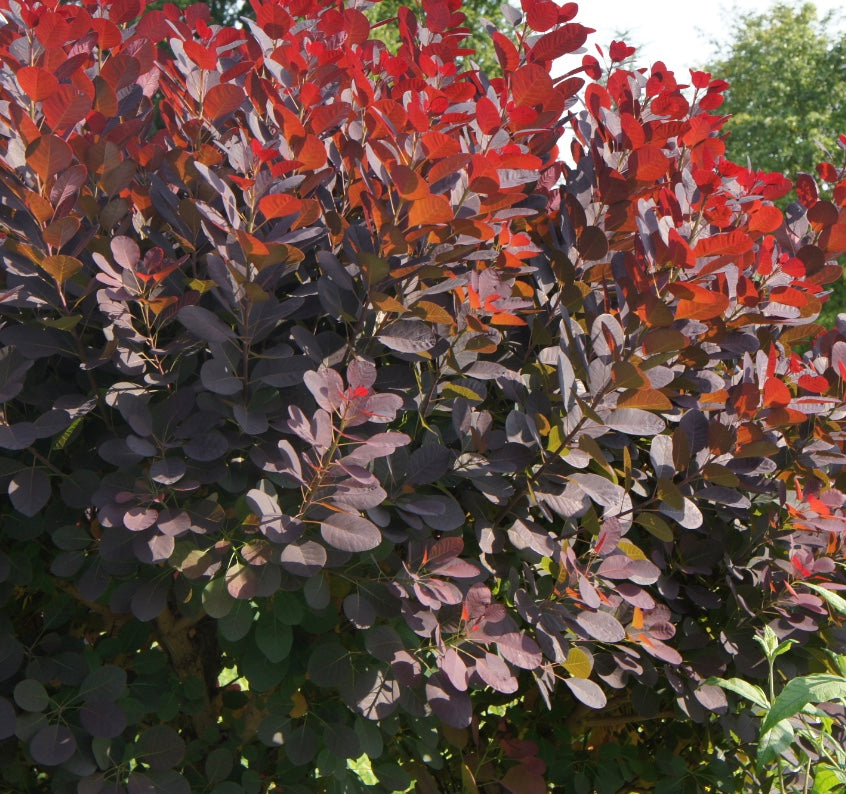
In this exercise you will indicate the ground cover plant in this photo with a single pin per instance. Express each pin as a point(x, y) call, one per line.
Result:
point(356, 438)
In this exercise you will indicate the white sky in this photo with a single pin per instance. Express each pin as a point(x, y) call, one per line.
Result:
point(678, 33)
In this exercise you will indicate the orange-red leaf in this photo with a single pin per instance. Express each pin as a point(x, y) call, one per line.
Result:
point(65, 107)
point(558, 42)
point(814, 383)
point(531, 85)
point(698, 303)
point(432, 209)
point(776, 393)
point(204, 57)
point(222, 99)
point(765, 219)
point(408, 184)
point(278, 205)
point(648, 164)
point(731, 243)
point(312, 153)
point(37, 82)
point(48, 155)
point(488, 116)
point(61, 267)
point(647, 399)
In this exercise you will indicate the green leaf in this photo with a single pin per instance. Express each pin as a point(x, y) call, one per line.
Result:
point(751, 692)
point(799, 692)
point(835, 601)
point(273, 639)
point(769, 642)
point(774, 743)
point(827, 778)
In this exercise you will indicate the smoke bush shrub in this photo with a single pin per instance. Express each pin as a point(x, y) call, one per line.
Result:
point(353, 438)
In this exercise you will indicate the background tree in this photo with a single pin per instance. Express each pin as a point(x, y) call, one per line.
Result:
point(480, 15)
point(788, 94)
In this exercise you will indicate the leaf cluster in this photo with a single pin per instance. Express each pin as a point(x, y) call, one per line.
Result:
point(352, 439)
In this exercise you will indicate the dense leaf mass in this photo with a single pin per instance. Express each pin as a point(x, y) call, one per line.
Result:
point(345, 423)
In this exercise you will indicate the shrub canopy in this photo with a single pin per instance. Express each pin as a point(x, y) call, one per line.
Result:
point(354, 438)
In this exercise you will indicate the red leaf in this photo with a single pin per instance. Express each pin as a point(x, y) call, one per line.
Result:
point(531, 85)
point(506, 52)
point(153, 26)
point(619, 51)
point(814, 383)
point(806, 190)
point(222, 99)
point(204, 57)
point(356, 25)
point(541, 15)
point(433, 209)
point(108, 34)
point(312, 153)
point(66, 107)
point(568, 38)
point(765, 219)
point(48, 155)
point(776, 393)
point(278, 205)
point(833, 239)
point(648, 164)
point(827, 172)
point(37, 82)
point(408, 184)
point(698, 303)
point(731, 243)
point(488, 116)
point(52, 30)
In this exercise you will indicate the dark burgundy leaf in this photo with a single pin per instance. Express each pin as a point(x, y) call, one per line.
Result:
point(52, 745)
point(587, 692)
point(450, 706)
point(601, 626)
point(350, 532)
point(29, 490)
point(160, 747)
point(496, 674)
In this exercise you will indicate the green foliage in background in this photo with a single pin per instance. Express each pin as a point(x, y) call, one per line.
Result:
point(787, 71)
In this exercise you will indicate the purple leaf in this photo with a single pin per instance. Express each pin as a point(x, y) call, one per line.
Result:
point(496, 674)
point(160, 747)
point(617, 566)
point(587, 692)
point(137, 519)
point(635, 422)
point(52, 745)
point(376, 694)
point(206, 447)
point(428, 464)
point(317, 431)
point(326, 387)
point(359, 611)
point(205, 325)
point(601, 626)
point(454, 668)
point(29, 491)
point(167, 471)
point(7, 719)
point(125, 251)
point(450, 706)
point(350, 532)
point(519, 649)
point(303, 559)
point(150, 598)
point(103, 719)
point(241, 581)
point(408, 336)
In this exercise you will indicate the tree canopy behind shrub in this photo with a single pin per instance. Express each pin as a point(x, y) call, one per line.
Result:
point(354, 439)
